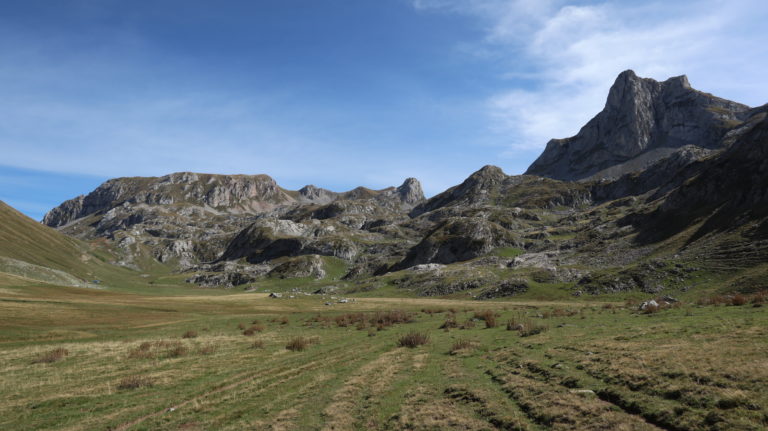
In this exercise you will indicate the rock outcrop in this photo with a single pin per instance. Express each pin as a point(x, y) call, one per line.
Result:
point(643, 121)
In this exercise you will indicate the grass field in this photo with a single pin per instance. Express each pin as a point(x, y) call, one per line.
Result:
point(88, 359)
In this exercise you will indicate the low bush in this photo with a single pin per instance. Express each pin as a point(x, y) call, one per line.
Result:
point(738, 300)
point(134, 382)
point(254, 329)
point(525, 326)
point(51, 356)
point(283, 320)
point(650, 309)
point(142, 351)
point(450, 323)
point(208, 349)
point(488, 316)
point(298, 344)
point(379, 320)
point(177, 351)
point(431, 311)
point(460, 345)
point(413, 339)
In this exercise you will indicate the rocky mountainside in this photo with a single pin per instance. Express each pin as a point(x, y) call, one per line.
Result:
point(185, 218)
point(662, 187)
point(643, 121)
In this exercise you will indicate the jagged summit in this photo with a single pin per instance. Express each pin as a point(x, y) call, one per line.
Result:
point(410, 192)
point(643, 121)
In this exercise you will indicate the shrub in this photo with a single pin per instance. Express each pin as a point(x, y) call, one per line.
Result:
point(650, 309)
point(525, 326)
point(485, 314)
point(413, 339)
point(490, 321)
point(298, 344)
point(177, 351)
point(253, 329)
point(189, 334)
point(431, 311)
point(450, 323)
point(738, 300)
point(208, 349)
point(379, 319)
point(134, 382)
point(759, 299)
point(51, 356)
point(142, 351)
point(461, 344)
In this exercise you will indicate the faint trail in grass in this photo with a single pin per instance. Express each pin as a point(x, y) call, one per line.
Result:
point(233, 382)
point(345, 412)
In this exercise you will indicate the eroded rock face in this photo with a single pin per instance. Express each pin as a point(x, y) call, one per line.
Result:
point(185, 219)
point(643, 121)
point(300, 267)
point(229, 193)
point(459, 239)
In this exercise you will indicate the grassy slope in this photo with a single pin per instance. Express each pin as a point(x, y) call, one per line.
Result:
point(698, 368)
point(24, 239)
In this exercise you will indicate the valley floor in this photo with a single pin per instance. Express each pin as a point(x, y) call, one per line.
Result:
point(124, 364)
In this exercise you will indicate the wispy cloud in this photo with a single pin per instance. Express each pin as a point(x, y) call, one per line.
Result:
point(561, 57)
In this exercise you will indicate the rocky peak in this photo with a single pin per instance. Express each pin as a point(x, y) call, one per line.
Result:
point(476, 189)
point(488, 173)
point(238, 193)
point(312, 194)
point(642, 119)
point(410, 192)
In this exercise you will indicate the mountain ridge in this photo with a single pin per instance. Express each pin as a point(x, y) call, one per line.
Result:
point(596, 230)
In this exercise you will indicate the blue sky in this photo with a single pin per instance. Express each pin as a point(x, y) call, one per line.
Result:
point(336, 93)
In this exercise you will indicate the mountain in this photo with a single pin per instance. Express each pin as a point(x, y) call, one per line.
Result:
point(185, 219)
point(663, 188)
point(643, 121)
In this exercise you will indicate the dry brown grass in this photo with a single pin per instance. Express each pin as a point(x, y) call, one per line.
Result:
point(450, 323)
point(51, 356)
point(298, 344)
point(135, 382)
point(254, 329)
point(413, 339)
point(177, 352)
point(650, 309)
point(379, 319)
point(189, 334)
point(257, 344)
point(739, 299)
point(462, 344)
point(525, 326)
point(281, 320)
point(563, 312)
point(433, 310)
point(208, 349)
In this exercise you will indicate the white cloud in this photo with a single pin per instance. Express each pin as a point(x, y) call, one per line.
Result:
point(567, 55)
